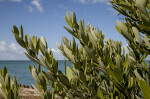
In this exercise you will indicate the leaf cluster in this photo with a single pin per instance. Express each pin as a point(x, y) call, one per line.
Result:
point(9, 88)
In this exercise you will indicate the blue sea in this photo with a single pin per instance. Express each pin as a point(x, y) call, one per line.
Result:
point(20, 69)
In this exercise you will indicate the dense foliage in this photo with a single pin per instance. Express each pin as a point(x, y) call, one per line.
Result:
point(9, 88)
point(101, 69)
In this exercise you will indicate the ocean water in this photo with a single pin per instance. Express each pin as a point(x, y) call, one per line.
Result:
point(20, 69)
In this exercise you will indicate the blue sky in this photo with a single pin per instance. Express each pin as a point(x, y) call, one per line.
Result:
point(47, 18)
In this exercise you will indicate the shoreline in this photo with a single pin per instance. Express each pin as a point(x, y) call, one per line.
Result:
point(26, 93)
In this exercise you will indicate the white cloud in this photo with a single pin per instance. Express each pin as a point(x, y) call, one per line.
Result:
point(14, 48)
point(99, 1)
point(11, 52)
point(30, 8)
point(90, 1)
point(83, 1)
point(16, 0)
point(57, 54)
point(2, 46)
point(37, 4)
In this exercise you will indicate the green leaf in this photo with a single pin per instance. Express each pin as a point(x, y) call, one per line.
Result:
point(90, 53)
point(126, 63)
point(111, 96)
point(124, 31)
point(82, 77)
point(21, 32)
point(100, 94)
point(10, 94)
point(145, 19)
point(74, 20)
point(92, 37)
point(131, 81)
point(141, 5)
point(30, 42)
point(112, 65)
point(1, 79)
point(34, 41)
point(39, 69)
point(73, 46)
point(43, 62)
point(49, 75)
point(7, 81)
point(26, 41)
point(77, 65)
point(35, 76)
point(118, 74)
point(74, 87)
point(20, 41)
point(145, 89)
point(48, 58)
point(3, 93)
point(44, 42)
point(64, 80)
point(70, 31)
point(80, 31)
point(118, 62)
point(68, 19)
point(111, 73)
point(137, 35)
point(69, 73)
point(85, 38)
point(69, 54)
point(32, 59)
point(147, 42)
point(126, 6)
point(43, 81)
point(5, 70)
point(54, 65)
point(138, 75)
point(145, 65)
point(147, 79)
point(144, 27)
point(66, 42)
point(85, 70)
point(30, 68)
point(16, 31)
point(42, 48)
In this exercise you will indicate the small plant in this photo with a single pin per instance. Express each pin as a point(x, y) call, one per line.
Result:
point(9, 88)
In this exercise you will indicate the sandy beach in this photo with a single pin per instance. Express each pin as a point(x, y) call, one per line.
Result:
point(26, 93)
